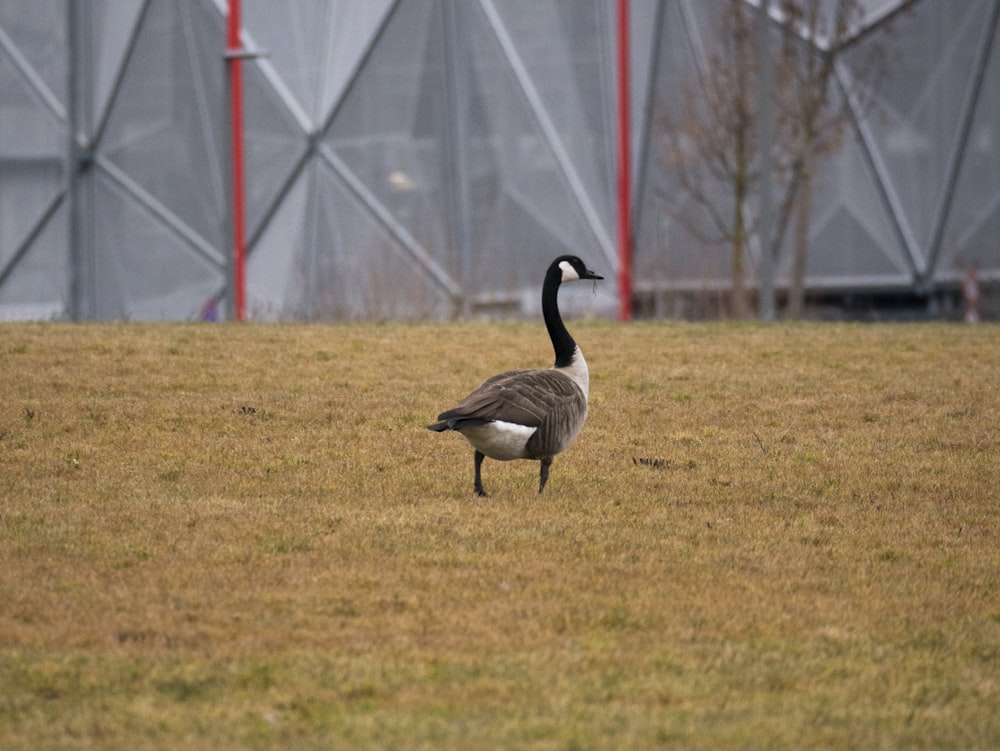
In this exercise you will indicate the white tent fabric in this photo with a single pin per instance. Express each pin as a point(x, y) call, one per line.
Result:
point(426, 158)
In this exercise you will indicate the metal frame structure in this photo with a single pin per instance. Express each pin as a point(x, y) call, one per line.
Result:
point(921, 248)
point(421, 158)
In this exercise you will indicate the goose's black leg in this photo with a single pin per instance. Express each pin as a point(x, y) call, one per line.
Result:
point(478, 486)
point(543, 473)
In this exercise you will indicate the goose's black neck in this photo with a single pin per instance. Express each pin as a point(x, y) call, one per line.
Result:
point(562, 342)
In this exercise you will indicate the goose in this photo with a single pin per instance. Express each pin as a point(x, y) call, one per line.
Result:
point(529, 414)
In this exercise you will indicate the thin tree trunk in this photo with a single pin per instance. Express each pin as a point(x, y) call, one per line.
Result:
point(740, 305)
point(800, 250)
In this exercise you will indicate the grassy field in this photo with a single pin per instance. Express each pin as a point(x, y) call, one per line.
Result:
point(219, 536)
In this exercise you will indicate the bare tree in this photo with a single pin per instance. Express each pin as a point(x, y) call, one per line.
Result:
point(711, 147)
point(814, 32)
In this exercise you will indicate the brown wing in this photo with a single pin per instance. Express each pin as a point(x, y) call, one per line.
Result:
point(525, 397)
point(561, 426)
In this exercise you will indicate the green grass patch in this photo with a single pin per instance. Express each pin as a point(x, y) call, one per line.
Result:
point(243, 537)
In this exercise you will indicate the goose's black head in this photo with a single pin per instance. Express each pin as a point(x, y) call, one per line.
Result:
point(572, 269)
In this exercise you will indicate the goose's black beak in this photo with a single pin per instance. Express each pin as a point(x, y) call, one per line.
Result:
point(588, 274)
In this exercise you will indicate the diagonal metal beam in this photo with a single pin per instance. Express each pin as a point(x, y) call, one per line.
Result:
point(883, 177)
point(955, 159)
point(312, 132)
point(876, 21)
point(271, 74)
point(777, 15)
point(203, 107)
point(360, 65)
point(550, 132)
point(983, 212)
point(298, 115)
point(390, 224)
point(35, 81)
point(646, 129)
point(116, 87)
point(40, 224)
point(698, 51)
point(194, 241)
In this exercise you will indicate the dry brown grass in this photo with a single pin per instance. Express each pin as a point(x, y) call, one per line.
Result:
point(243, 537)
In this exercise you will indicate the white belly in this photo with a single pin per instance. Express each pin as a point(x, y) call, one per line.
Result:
point(499, 440)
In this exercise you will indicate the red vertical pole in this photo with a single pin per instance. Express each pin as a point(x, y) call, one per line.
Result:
point(624, 169)
point(235, 66)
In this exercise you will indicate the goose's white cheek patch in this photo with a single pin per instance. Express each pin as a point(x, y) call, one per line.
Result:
point(499, 440)
point(568, 272)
